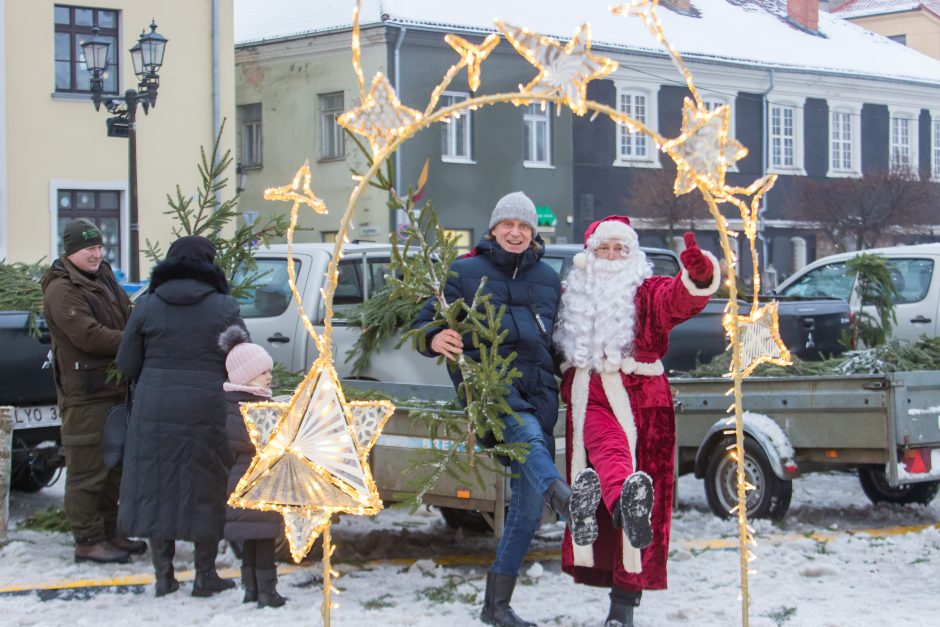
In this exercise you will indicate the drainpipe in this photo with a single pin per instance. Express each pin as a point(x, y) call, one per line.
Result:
point(765, 157)
point(400, 216)
point(216, 83)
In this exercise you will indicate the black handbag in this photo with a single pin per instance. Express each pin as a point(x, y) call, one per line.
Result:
point(114, 433)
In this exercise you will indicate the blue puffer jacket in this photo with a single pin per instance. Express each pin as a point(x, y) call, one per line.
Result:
point(528, 288)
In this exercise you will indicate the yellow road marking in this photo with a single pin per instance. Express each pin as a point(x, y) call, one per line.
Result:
point(471, 559)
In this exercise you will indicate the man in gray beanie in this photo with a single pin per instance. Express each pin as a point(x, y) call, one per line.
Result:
point(509, 257)
point(86, 311)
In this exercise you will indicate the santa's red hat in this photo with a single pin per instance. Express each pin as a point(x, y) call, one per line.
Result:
point(611, 227)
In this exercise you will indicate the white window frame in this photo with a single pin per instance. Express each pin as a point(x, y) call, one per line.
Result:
point(533, 114)
point(252, 134)
point(712, 102)
point(650, 119)
point(913, 119)
point(329, 127)
point(99, 186)
point(935, 146)
point(854, 113)
point(449, 131)
point(796, 107)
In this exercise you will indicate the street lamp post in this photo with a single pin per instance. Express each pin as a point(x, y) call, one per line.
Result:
point(147, 57)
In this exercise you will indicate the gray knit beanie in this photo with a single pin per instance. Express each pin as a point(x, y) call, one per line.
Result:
point(515, 206)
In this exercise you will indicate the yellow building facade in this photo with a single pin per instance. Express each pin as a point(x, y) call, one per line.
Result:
point(57, 161)
point(918, 28)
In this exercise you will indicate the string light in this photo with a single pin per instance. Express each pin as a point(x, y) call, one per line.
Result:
point(564, 71)
point(702, 152)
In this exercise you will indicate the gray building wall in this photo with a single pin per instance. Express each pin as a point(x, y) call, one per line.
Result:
point(464, 194)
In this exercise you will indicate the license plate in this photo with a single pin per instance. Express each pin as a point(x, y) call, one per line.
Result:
point(36, 417)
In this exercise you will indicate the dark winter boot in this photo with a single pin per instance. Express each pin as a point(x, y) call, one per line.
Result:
point(207, 580)
point(162, 552)
point(577, 505)
point(101, 552)
point(496, 610)
point(267, 589)
point(633, 508)
point(250, 584)
point(621, 608)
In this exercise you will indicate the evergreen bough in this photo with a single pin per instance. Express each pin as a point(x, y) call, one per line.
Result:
point(206, 215)
point(418, 273)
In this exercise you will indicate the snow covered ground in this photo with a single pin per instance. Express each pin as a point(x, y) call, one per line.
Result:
point(851, 580)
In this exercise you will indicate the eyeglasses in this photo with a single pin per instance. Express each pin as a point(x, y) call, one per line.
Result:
point(615, 249)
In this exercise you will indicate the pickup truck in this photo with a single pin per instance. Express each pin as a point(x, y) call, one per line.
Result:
point(810, 328)
point(26, 384)
point(914, 271)
point(884, 427)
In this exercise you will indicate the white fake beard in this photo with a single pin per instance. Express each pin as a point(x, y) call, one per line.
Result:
point(597, 315)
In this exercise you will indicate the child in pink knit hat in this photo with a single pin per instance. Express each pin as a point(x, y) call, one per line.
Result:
point(249, 380)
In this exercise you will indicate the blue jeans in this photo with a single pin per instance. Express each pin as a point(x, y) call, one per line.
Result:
point(529, 483)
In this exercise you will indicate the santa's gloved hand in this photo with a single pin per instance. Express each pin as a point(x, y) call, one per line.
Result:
point(700, 267)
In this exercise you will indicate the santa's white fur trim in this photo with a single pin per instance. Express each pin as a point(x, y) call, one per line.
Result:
point(583, 555)
point(712, 287)
point(580, 261)
point(620, 404)
point(632, 366)
point(614, 229)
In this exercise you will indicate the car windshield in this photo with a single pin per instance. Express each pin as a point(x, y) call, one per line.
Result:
point(829, 281)
point(663, 263)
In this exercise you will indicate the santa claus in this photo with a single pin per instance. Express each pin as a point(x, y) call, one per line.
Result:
point(613, 330)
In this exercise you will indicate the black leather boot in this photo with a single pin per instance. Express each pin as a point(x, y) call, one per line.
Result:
point(250, 584)
point(207, 580)
point(622, 603)
point(267, 589)
point(577, 505)
point(496, 610)
point(162, 552)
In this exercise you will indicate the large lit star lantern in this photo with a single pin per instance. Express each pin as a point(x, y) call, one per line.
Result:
point(312, 456)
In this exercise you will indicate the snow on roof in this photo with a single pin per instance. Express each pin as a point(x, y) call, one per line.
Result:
point(865, 8)
point(750, 32)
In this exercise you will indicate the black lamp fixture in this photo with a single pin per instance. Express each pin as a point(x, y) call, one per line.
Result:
point(147, 58)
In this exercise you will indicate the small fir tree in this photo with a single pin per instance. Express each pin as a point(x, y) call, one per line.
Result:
point(206, 215)
point(876, 289)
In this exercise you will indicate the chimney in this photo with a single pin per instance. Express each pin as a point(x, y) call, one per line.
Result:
point(804, 13)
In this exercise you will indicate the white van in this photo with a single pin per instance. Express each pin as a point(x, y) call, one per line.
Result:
point(915, 273)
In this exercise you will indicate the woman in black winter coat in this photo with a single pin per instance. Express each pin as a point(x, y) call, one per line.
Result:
point(176, 456)
point(249, 381)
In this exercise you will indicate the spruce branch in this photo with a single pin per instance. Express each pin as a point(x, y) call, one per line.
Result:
point(209, 217)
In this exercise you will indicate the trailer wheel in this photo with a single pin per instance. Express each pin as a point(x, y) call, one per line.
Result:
point(469, 519)
point(769, 499)
point(876, 488)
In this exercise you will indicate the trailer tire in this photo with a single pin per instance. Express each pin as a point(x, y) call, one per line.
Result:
point(770, 499)
point(468, 519)
point(876, 488)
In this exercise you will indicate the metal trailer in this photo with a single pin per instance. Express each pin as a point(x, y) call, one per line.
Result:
point(884, 427)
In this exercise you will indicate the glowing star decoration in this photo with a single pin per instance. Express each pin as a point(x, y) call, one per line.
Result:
point(638, 8)
point(303, 527)
point(381, 117)
point(760, 339)
point(313, 458)
point(564, 71)
point(297, 191)
point(703, 152)
point(473, 55)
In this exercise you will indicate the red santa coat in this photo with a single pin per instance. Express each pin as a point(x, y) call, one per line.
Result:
point(634, 404)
